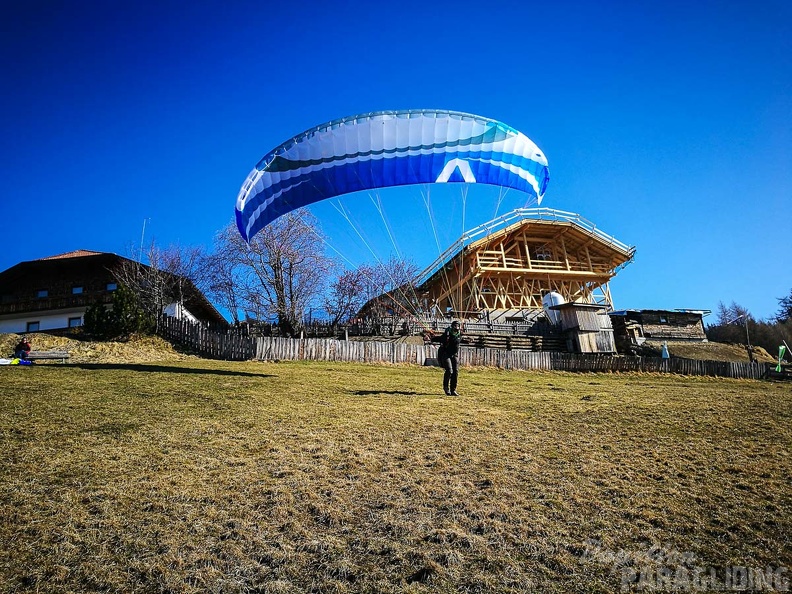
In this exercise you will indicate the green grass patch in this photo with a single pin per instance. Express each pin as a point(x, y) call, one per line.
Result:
point(201, 476)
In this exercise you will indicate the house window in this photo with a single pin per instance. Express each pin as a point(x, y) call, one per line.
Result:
point(663, 320)
point(32, 327)
point(77, 290)
point(42, 293)
point(112, 286)
point(75, 322)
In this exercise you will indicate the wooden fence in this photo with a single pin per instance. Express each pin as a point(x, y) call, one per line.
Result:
point(235, 347)
point(396, 326)
point(613, 363)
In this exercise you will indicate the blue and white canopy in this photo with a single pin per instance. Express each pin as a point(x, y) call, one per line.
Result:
point(388, 148)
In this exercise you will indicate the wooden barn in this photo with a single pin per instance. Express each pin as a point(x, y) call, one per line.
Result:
point(586, 327)
point(509, 264)
point(632, 327)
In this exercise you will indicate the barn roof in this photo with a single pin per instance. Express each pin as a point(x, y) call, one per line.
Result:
point(545, 221)
point(624, 312)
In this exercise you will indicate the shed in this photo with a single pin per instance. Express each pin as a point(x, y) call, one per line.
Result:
point(634, 326)
point(586, 327)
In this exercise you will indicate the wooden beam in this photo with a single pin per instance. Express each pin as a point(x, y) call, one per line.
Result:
point(560, 234)
point(541, 273)
point(566, 256)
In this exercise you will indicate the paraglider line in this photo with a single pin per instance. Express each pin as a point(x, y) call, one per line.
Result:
point(342, 211)
point(381, 210)
point(427, 202)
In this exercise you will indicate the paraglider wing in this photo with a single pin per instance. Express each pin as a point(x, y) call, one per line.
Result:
point(382, 149)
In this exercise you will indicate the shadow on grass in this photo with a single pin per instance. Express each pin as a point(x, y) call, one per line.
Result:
point(391, 392)
point(148, 368)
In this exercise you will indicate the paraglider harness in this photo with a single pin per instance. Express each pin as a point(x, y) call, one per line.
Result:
point(441, 355)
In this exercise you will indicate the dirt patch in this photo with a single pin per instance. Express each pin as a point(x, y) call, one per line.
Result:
point(138, 349)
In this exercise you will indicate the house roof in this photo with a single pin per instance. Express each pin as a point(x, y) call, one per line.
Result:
point(575, 305)
point(74, 254)
point(624, 312)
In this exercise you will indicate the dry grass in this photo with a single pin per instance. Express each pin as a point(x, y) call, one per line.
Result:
point(707, 351)
point(139, 349)
point(198, 476)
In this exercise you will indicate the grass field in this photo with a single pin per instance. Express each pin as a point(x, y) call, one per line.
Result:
point(200, 476)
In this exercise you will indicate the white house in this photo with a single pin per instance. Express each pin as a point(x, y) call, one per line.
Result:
point(54, 293)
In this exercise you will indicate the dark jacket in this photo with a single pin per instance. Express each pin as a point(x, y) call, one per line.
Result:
point(449, 342)
point(22, 350)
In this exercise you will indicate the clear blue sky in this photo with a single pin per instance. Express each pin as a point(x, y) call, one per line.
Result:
point(666, 123)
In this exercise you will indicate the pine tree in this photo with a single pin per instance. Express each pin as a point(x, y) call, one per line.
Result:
point(785, 308)
point(97, 319)
point(124, 317)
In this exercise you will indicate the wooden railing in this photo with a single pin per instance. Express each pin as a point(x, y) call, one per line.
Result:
point(236, 347)
point(486, 262)
point(61, 302)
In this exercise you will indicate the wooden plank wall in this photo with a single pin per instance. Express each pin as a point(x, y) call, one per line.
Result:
point(614, 363)
point(234, 347)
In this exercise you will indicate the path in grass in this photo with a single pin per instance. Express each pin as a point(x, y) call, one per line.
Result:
point(259, 477)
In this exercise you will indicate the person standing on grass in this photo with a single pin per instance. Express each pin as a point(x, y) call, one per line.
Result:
point(447, 356)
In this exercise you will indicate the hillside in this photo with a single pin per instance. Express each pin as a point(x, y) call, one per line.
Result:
point(706, 351)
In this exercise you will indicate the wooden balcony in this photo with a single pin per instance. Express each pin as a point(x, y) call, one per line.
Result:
point(54, 303)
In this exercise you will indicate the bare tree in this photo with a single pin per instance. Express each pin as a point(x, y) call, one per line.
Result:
point(345, 296)
point(167, 277)
point(280, 273)
point(219, 271)
point(389, 286)
point(181, 269)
